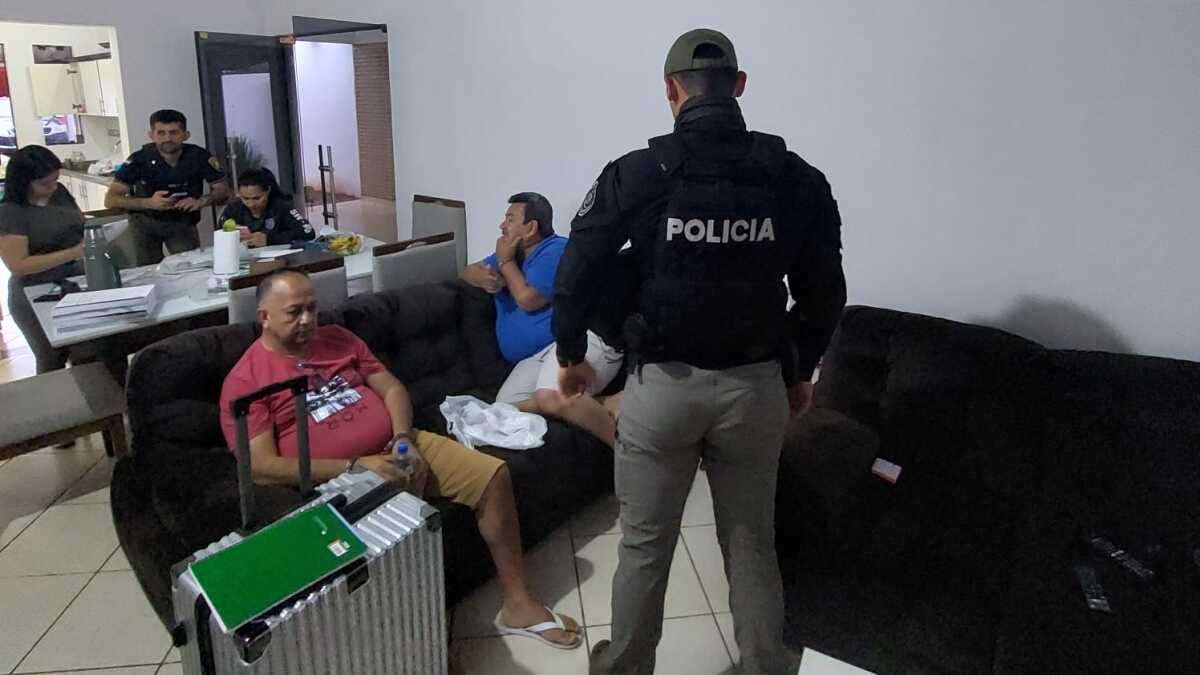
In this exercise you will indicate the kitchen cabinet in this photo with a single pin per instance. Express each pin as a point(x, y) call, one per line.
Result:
point(99, 85)
point(84, 87)
point(96, 194)
point(72, 186)
point(93, 94)
point(109, 77)
point(88, 195)
point(56, 88)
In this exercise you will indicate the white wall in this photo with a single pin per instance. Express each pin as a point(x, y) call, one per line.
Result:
point(18, 40)
point(1026, 164)
point(325, 90)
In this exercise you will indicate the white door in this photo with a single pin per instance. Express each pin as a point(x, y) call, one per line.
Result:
point(54, 89)
point(109, 90)
point(93, 94)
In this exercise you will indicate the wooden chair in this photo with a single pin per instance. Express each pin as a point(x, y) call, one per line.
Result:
point(425, 260)
point(431, 215)
point(328, 276)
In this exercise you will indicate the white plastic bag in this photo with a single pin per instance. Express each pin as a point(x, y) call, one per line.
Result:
point(476, 423)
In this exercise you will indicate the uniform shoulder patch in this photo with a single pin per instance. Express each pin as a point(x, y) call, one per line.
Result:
point(589, 200)
point(212, 161)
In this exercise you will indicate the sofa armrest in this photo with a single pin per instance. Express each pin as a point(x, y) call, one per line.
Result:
point(478, 321)
point(826, 456)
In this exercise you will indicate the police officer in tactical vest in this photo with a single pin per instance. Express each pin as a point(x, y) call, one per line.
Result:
point(717, 216)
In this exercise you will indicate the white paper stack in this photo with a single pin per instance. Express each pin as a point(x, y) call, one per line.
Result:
point(78, 311)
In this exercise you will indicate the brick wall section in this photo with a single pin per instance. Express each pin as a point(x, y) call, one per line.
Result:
point(372, 93)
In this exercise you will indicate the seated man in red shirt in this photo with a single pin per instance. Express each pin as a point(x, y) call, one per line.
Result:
point(358, 411)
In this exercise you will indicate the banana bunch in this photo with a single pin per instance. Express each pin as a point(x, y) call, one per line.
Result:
point(344, 244)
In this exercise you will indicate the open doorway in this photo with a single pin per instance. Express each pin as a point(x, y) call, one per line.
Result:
point(274, 100)
point(343, 97)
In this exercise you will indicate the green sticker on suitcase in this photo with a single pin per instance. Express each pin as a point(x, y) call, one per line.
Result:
point(275, 563)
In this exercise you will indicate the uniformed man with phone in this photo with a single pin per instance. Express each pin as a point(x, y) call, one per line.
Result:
point(162, 185)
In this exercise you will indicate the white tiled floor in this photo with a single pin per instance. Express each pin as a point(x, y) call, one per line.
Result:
point(69, 602)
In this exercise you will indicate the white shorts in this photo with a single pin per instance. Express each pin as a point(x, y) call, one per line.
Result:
point(540, 371)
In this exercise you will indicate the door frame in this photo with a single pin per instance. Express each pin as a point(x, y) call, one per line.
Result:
point(283, 87)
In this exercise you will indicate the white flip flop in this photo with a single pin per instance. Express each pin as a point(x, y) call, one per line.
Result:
point(535, 631)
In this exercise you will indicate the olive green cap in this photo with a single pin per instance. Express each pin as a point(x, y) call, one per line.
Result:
point(683, 53)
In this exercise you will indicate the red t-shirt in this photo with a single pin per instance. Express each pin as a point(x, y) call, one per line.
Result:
point(346, 418)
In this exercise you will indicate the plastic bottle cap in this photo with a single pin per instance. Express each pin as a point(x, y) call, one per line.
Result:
point(402, 448)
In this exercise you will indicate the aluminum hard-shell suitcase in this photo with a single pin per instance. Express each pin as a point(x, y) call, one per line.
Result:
point(382, 614)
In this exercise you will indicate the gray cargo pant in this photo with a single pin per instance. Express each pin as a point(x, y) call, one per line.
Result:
point(672, 417)
point(150, 234)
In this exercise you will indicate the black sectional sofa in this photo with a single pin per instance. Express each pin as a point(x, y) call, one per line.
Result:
point(177, 491)
point(1011, 455)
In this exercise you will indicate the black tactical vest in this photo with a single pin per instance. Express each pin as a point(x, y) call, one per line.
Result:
point(712, 260)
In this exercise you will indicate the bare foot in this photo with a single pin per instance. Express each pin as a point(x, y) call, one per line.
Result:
point(534, 614)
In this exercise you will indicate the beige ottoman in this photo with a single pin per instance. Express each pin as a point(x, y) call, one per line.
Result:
point(61, 406)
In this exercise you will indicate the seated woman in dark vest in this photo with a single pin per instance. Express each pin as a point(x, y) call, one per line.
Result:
point(265, 211)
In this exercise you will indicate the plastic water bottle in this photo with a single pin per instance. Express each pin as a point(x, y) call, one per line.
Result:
point(403, 461)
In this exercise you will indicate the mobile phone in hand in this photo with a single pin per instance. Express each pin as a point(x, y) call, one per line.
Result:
point(178, 195)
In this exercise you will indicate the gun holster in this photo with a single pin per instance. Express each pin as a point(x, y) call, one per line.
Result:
point(641, 342)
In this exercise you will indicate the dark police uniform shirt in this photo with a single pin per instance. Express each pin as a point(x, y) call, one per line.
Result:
point(282, 223)
point(636, 184)
point(49, 228)
point(146, 172)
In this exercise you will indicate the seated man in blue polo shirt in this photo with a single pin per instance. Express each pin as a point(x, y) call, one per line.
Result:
point(520, 274)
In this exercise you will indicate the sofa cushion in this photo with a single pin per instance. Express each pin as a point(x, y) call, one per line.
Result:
point(1122, 438)
point(957, 399)
point(174, 385)
point(429, 349)
point(1047, 627)
point(916, 587)
point(826, 455)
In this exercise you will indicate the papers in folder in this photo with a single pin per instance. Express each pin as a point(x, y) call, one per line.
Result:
point(96, 308)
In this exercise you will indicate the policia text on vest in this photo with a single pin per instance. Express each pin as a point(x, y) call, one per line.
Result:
point(742, 229)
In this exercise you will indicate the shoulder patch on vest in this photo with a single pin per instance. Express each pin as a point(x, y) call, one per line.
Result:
point(212, 161)
point(589, 200)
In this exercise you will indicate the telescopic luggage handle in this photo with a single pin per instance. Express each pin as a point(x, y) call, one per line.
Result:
point(240, 408)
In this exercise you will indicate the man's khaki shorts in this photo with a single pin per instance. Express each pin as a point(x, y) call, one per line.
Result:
point(456, 471)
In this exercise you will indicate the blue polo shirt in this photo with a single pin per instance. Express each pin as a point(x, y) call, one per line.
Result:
point(522, 334)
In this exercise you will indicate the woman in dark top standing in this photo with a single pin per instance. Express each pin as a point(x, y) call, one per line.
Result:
point(41, 240)
point(266, 210)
